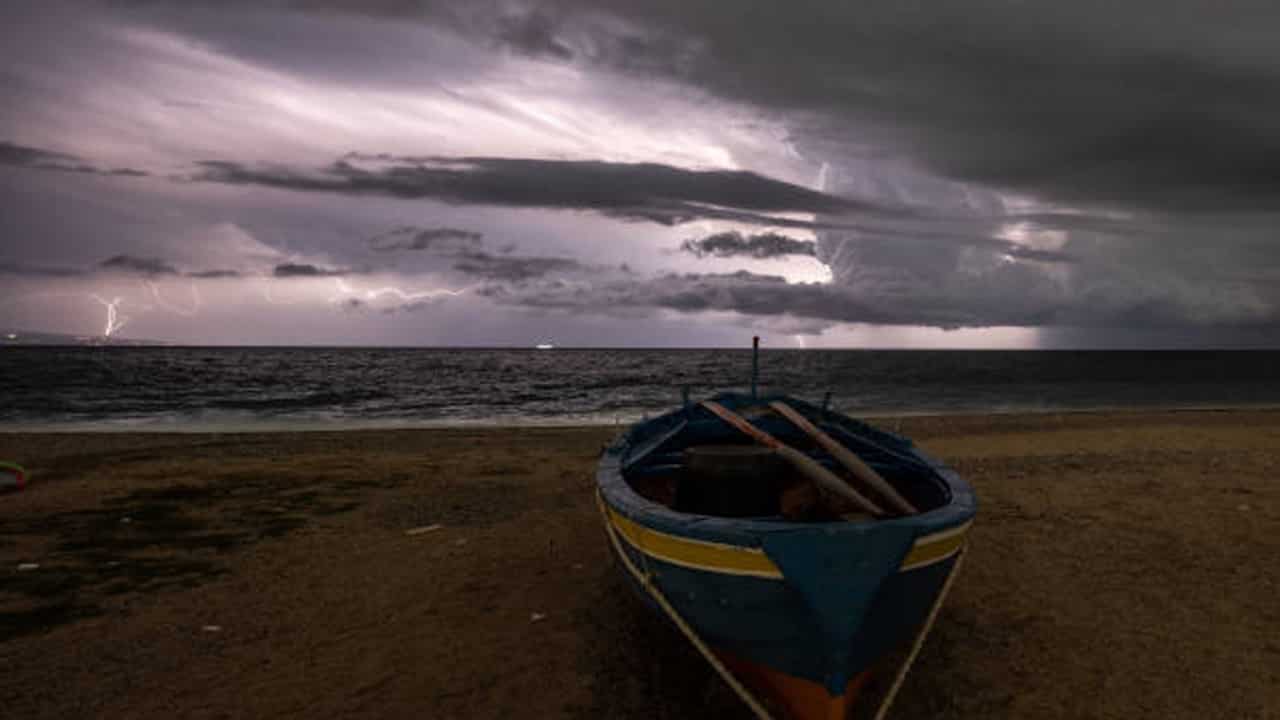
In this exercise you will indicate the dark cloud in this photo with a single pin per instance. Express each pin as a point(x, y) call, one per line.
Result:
point(633, 191)
point(741, 292)
point(296, 270)
point(1157, 105)
point(1060, 96)
point(687, 292)
point(951, 229)
point(1083, 164)
point(1009, 295)
point(21, 155)
point(40, 159)
point(534, 34)
point(470, 257)
point(130, 264)
point(38, 271)
point(138, 265)
point(214, 274)
point(444, 239)
point(512, 268)
point(760, 246)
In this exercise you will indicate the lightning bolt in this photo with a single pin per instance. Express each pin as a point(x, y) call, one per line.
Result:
point(180, 310)
point(404, 296)
point(115, 320)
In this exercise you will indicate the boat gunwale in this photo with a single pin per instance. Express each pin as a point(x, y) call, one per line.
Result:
point(618, 494)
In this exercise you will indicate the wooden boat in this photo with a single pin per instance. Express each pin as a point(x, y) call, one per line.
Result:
point(791, 593)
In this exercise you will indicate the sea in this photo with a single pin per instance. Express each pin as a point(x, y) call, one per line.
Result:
point(256, 388)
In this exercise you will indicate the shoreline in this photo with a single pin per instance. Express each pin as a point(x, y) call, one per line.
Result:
point(550, 422)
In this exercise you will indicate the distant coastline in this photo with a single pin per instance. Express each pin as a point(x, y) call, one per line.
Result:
point(27, 338)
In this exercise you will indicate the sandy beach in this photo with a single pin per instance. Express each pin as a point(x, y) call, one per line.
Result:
point(1123, 565)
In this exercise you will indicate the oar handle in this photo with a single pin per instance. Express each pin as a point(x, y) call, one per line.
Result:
point(810, 468)
point(742, 424)
point(851, 462)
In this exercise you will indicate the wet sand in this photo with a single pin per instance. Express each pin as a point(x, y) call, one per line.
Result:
point(1123, 565)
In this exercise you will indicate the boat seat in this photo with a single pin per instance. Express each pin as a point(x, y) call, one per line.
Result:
point(730, 481)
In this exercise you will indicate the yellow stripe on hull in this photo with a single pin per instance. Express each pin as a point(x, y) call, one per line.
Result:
point(735, 560)
point(935, 548)
point(698, 554)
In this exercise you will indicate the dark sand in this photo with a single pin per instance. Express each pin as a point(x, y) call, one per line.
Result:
point(1123, 565)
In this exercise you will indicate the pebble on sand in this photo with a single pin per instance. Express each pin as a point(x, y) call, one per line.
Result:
point(423, 529)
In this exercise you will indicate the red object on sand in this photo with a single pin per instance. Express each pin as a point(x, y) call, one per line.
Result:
point(12, 477)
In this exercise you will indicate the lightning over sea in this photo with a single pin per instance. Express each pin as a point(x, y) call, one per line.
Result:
point(115, 321)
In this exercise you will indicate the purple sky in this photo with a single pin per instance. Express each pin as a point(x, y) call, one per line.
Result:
point(663, 173)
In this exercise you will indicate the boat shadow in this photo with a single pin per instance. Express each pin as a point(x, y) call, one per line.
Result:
point(640, 664)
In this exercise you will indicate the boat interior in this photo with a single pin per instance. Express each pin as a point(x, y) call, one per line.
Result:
point(694, 462)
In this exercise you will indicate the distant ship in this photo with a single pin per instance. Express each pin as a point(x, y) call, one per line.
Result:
point(544, 346)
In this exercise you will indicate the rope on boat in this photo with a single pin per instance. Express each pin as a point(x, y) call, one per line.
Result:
point(644, 578)
point(883, 710)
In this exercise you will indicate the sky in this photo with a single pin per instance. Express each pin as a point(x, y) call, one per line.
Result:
point(986, 174)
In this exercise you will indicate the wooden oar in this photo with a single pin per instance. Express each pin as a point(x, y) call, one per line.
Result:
point(820, 476)
point(636, 456)
point(851, 462)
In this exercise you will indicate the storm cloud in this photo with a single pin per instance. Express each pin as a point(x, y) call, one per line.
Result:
point(1010, 296)
point(1170, 107)
point(1139, 103)
point(512, 268)
point(40, 159)
point(22, 156)
point(123, 264)
point(734, 244)
point(444, 239)
point(631, 191)
point(306, 270)
point(39, 271)
point(138, 265)
point(1067, 168)
point(214, 274)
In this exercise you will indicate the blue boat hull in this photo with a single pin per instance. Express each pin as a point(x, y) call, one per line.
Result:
point(801, 609)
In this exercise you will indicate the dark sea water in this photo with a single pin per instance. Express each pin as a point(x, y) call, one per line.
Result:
point(162, 388)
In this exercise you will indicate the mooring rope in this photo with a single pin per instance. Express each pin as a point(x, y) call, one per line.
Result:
point(647, 583)
point(883, 710)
